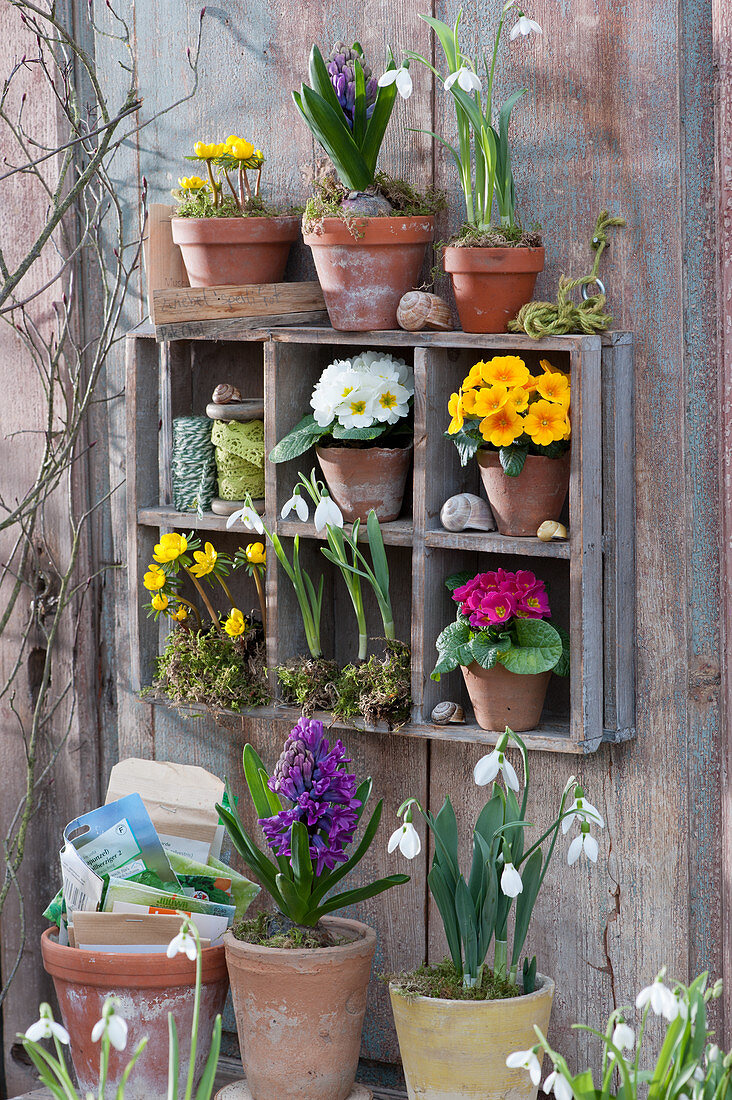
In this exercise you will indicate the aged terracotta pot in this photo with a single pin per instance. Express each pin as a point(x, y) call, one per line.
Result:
point(235, 251)
point(299, 1013)
point(361, 478)
point(457, 1049)
point(501, 698)
point(364, 277)
point(148, 987)
point(521, 504)
point(491, 284)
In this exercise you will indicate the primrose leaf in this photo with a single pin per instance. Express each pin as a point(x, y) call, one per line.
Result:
point(538, 648)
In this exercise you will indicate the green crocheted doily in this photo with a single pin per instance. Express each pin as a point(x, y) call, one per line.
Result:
point(239, 458)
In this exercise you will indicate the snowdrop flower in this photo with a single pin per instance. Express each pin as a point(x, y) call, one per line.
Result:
point(251, 520)
point(662, 1001)
point(586, 843)
point(300, 506)
point(466, 78)
point(525, 1059)
point(584, 811)
point(406, 838)
point(524, 26)
point(183, 944)
point(112, 1025)
point(327, 513)
point(46, 1028)
point(623, 1037)
point(488, 767)
point(559, 1085)
point(401, 77)
point(511, 883)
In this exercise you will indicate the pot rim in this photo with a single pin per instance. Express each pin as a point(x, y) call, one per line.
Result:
point(376, 231)
point(132, 969)
point(283, 228)
point(239, 219)
point(387, 450)
point(494, 260)
point(366, 938)
point(547, 987)
point(493, 457)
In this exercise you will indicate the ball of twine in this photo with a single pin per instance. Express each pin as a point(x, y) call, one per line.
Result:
point(193, 464)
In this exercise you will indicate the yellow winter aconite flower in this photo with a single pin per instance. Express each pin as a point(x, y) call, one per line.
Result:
point(554, 387)
point(159, 601)
point(545, 423)
point(240, 149)
point(256, 554)
point(205, 151)
point(154, 579)
point(191, 183)
point(170, 547)
point(455, 409)
point(505, 370)
point(235, 624)
point(205, 560)
point(490, 399)
point(502, 428)
point(180, 614)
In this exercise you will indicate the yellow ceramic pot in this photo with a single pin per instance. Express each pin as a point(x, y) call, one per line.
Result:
point(457, 1049)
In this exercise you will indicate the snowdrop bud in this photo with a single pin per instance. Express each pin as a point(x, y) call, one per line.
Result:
point(623, 1037)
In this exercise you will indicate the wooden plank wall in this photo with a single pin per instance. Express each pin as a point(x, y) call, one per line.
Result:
point(619, 114)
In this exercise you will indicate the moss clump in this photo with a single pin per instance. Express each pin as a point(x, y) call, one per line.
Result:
point(444, 981)
point(379, 688)
point(309, 683)
point(212, 668)
point(275, 930)
point(329, 193)
point(508, 237)
point(198, 205)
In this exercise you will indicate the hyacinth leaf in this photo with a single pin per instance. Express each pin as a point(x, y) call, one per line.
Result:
point(173, 1059)
point(338, 144)
point(538, 648)
point(363, 791)
point(247, 849)
point(300, 439)
point(206, 1085)
point(321, 82)
point(467, 924)
point(445, 902)
point(302, 865)
point(377, 124)
point(531, 878)
point(327, 882)
point(294, 905)
point(361, 893)
point(512, 460)
point(253, 767)
point(359, 114)
point(275, 802)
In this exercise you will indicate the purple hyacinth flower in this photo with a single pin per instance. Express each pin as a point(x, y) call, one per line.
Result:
point(342, 72)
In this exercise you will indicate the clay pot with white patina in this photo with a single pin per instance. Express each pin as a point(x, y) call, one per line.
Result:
point(501, 698)
point(521, 504)
point(235, 251)
point(362, 478)
point(492, 284)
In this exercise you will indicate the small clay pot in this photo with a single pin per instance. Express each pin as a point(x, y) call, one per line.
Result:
point(491, 284)
point(299, 1013)
point(148, 987)
point(458, 1049)
point(235, 251)
point(501, 698)
point(521, 504)
point(362, 478)
point(364, 277)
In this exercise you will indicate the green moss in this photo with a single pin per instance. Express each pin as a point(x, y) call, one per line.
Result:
point(508, 237)
point(309, 683)
point(208, 667)
point(444, 981)
point(379, 689)
point(275, 930)
point(199, 206)
point(329, 193)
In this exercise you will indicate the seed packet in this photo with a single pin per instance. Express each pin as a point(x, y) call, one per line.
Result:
point(124, 896)
point(239, 889)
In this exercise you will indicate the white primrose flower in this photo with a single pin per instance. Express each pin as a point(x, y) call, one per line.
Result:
point(46, 1028)
point(623, 1037)
point(300, 506)
point(586, 843)
point(112, 1025)
point(391, 402)
point(182, 944)
point(661, 999)
point(511, 883)
point(357, 411)
point(251, 519)
point(399, 76)
point(525, 1059)
point(582, 810)
point(524, 26)
point(406, 838)
point(333, 372)
point(466, 78)
point(488, 767)
point(559, 1085)
point(381, 365)
point(327, 514)
point(324, 403)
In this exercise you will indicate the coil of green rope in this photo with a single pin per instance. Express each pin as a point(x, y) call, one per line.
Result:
point(558, 318)
point(193, 464)
point(239, 458)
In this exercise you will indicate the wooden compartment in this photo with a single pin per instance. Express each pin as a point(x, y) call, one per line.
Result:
point(590, 576)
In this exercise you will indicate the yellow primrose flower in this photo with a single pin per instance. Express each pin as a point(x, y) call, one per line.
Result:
point(502, 428)
point(474, 376)
point(191, 183)
point(170, 547)
point(518, 398)
point(545, 423)
point(490, 400)
point(546, 366)
point(205, 560)
point(235, 624)
point(159, 601)
point(554, 387)
point(256, 554)
point(455, 409)
point(505, 370)
point(180, 614)
point(154, 579)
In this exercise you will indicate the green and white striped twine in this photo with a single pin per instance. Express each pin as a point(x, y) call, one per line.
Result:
point(194, 464)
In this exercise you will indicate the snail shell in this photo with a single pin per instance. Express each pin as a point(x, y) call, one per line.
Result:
point(418, 310)
point(467, 510)
point(551, 529)
point(448, 712)
point(225, 394)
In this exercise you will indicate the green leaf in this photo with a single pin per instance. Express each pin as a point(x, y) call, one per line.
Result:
point(529, 975)
point(296, 442)
point(582, 1085)
point(255, 860)
point(361, 893)
point(359, 114)
point(206, 1085)
point(468, 926)
point(295, 906)
point(484, 651)
point(531, 878)
point(379, 560)
point(302, 866)
point(445, 902)
point(321, 82)
point(451, 643)
point(377, 124)
point(538, 648)
point(555, 449)
point(444, 829)
point(562, 666)
point(512, 459)
point(467, 441)
point(326, 883)
point(373, 431)
point(457, 580)
point(446, 35)
point(338, 144)
point(253, 768)
point(173, 1058)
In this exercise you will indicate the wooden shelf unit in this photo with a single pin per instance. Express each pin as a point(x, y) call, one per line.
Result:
point(591, 576)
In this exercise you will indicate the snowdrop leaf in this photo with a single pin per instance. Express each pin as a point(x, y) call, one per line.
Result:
point(531, 877)
point(296, 442)
point(538, 648)
point(467, 924)
point(379, 560)
point(206, 1085)
point(446, 36)
point(173, 1058)
point(445, 902)
point(372, 431)
point(302, 865)
point(529, 975)
point(446, 835)
point(582, 1085)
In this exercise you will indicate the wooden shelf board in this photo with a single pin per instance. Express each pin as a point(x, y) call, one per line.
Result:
point(397, 533)
point(490, 542)
point(165, 515)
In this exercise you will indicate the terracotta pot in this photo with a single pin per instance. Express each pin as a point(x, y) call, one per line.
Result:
point(501, 698)
point(148, 987)
point(235, 251)
point(299, 1013)
point(363, 278)
point(456, 1049)
point(521, 504)
point(491, 284)
point(361, 478)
